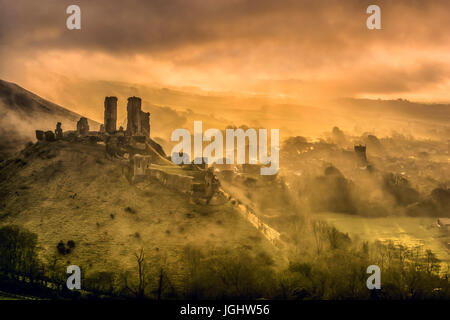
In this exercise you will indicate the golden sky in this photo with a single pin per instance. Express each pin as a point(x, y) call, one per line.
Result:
point(298, 48)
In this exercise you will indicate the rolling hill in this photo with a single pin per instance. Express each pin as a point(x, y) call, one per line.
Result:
point(70, 191)
point(22, 112)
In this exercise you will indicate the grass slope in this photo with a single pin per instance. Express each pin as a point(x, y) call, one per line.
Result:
point(70, 191)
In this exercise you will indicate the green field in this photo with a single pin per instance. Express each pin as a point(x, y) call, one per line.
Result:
point(407, 231)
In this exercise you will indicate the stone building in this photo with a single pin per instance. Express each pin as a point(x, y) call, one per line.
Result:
point(360, 151)
point(145, 124)
point(40, 135)
point(49, 136)
point(134, 125)
point(139, 165)
point(110, 118)
point(83, 126)
point(58, 131)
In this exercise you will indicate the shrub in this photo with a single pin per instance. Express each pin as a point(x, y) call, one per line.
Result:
point(130, 210)
point(71, 244)
point(18, 253)
point(61, 248)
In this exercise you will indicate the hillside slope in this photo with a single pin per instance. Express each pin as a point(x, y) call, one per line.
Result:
point(71, 191)
point(22, 112)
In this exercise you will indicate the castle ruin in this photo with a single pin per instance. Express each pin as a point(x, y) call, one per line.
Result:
point(145, 123)
point(110, 118)
point(141, 158)
point(134, 124)
point(58, 131)
point(360, 151)
point(83, 126)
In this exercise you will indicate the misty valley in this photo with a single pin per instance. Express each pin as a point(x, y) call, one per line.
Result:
point(224, 158)
point(112, 202)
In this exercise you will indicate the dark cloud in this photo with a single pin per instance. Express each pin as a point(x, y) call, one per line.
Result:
point(157, 25)
point(313, 41)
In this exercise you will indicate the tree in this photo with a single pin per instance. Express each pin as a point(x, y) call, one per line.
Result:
point(319, 228)
point(18, 252)
point(141, 271)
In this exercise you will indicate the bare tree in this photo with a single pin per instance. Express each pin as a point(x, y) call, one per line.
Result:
point(141, 270)
point(319, 228)
point(160, 283)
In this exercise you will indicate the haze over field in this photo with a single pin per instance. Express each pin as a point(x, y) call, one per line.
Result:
point(257, 63)
point(364, 153)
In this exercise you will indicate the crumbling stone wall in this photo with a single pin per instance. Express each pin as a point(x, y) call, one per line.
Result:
point(134, 126)
point(138, 142)
point(140, 164)
point(40, 135)
point(58, 131)
point(211, 183)
point(116, 145)
point(249, 214)
point(49, 136)
point(45, 136)
point(110, 118)
point(83, 126)
point(145, 123)
point(360, 151)
point(178, 182)
point(271, 234)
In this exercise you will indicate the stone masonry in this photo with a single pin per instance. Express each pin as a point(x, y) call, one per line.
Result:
point(110, 119)
point(83, 126)
point(134, 126)
point(145, 123)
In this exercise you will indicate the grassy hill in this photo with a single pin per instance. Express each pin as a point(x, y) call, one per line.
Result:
point(71, 191)
point(22, 112)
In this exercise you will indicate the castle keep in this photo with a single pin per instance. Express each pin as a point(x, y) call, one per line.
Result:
point(360, 151)
point(134, 124)
point(110, 114)
point(140, 157)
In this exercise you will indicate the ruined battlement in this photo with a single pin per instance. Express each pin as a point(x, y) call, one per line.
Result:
point(360, 151)
point(83, 126)
point(110, 118)
point(142, 157)
point(145, 123)
point(134, 125)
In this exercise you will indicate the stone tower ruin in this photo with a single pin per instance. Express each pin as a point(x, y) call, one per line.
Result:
point(83, 126)
point(110, 119)
point(145, 123)
point(360, 151)
point(134, 126)
point(58, 131)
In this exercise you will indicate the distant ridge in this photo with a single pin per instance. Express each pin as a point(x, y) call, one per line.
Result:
point(22, 112)
point(438, 112)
